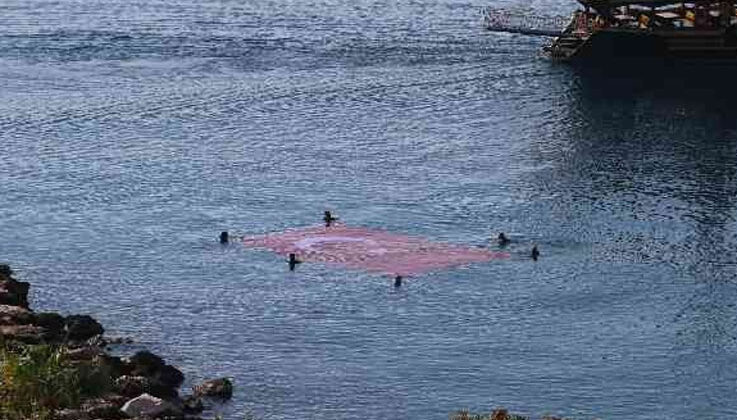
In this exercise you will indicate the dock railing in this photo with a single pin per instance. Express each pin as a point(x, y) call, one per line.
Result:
point(501, 20)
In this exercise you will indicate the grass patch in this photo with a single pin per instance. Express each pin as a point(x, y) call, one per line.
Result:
point(36, 380)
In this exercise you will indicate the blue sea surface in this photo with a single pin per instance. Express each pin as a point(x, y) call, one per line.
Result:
point(133, 132)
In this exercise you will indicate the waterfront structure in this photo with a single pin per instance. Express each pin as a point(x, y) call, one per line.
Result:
point(607, 29)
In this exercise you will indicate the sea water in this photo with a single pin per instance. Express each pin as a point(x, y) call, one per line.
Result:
point(133, 132)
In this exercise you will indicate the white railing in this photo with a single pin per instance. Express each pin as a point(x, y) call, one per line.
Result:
point(523, 22)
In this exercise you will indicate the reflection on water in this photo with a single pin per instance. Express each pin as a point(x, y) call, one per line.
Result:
point(656, 150)
point(662, 143)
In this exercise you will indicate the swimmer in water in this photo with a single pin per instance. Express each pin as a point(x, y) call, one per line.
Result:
point(503, 240)
point(535, 253)
point(329, 218)
point(398, 281)
point(223, 237)
point(293, 261)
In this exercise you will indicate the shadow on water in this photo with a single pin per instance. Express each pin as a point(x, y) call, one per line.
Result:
point(652, 152)
point(657, 144)
point(664, 140)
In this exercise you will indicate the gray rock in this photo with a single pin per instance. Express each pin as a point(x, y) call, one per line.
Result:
point(5, 270)
point(146, 362)
point(15, 315)
point(218, 388)
point(70, 414)
point(103, 408)
point(28, 334)
point(82, 327)
point(12, 292)
point(53, 325)
point(152, 366)
point(146, 405)
point(114, 364)
point(193, 405)
point(84, 353)
point(170, 376)
point(131, 386)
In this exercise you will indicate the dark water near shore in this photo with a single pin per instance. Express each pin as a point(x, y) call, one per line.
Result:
point(133, 132)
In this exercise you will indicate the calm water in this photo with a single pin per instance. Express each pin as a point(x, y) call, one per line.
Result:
point(132, 132)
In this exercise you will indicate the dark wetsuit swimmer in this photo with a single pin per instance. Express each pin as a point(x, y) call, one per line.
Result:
point(293, 261)
point(329, 218)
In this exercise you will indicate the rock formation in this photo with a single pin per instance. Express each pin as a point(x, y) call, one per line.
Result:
point(143, 386)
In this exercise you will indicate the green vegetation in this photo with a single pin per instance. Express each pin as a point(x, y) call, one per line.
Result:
point(35, 380)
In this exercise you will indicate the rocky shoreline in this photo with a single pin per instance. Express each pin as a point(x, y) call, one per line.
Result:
point(142, 386)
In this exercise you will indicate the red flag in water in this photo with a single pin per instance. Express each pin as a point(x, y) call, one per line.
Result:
point(370, 249)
